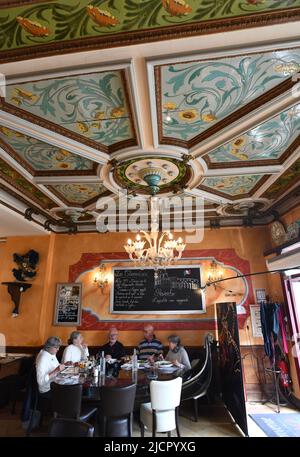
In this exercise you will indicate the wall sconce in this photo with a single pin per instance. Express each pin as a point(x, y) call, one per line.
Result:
point(101, 278)
point(215, 273)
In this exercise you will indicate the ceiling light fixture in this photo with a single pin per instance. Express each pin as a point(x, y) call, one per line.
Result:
point(150, 249)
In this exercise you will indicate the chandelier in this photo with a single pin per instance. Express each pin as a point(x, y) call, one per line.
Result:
point(159, 251)
point(101, 278)
point(150, 249)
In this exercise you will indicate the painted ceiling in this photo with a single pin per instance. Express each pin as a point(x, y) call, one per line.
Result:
point(39, 156)
point(40, 26)
point(220, 126)
point(92, 107)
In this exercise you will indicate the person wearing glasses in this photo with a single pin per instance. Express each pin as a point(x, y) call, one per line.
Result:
point(47, 365)
point(76, 350)
point(113, 349)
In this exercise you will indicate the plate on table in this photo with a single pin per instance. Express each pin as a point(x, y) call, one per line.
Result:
point(112, 360)
point(143, 364)
point(164, 364)
point(126, 366)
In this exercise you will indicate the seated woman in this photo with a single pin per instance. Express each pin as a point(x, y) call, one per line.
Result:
point(76, 350)
point(177, 354)
point(47, 365)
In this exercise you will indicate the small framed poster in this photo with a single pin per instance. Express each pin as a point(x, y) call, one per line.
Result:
point(68, 304)
point(260, 295)
point(255, 320)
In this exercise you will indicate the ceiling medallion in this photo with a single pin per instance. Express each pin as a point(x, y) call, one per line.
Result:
point(153, 175)
point(74, 215)
point(242, 208)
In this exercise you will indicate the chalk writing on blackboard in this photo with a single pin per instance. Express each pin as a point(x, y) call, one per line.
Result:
point(157, 291)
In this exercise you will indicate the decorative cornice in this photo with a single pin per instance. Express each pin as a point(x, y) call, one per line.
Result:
point(151, 35)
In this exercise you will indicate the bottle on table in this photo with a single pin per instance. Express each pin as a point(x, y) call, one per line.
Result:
point(134, 361)
point(102, 365)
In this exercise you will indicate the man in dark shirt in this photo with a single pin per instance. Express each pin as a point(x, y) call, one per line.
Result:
point(113, 349)
point(150, 347)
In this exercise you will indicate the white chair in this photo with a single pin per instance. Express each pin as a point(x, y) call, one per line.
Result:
point(161, 415)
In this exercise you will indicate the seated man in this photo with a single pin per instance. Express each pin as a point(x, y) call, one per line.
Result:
point(113, 349)
point(150, 347)
point(47, 365)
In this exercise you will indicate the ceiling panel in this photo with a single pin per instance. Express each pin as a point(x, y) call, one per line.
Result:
point(78, 193)
point(232, 186)
point(194, 96)
point(21, 184)
point(267, 141)
point(38, 156)
point(93, 108)
point(290, 177)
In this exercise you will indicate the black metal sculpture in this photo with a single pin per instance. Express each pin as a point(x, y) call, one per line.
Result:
point(27, 265)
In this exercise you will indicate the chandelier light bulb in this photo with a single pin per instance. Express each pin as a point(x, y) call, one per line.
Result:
point(138, 237)
point(129, 241)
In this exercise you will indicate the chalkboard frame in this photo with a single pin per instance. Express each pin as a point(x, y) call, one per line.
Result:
point(154, 312)
point(59, 288)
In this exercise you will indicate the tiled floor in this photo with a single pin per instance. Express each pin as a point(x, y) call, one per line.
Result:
point(214, 421)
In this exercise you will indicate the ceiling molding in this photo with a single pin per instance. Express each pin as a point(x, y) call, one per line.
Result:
point(138, 36)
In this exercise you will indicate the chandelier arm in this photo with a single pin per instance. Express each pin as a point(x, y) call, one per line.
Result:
point(147, 237)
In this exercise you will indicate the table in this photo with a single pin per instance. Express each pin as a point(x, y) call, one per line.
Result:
point(121, 378)
point(10, 364)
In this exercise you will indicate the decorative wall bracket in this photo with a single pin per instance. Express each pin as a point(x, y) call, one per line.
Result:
point(15, 290)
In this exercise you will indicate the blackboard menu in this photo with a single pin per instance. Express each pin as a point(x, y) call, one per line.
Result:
point(157, 291)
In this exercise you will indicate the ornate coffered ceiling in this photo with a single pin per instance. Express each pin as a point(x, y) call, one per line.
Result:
point(221, 124)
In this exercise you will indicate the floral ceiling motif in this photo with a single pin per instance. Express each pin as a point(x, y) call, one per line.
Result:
point(231, 185)
point(78, 193)
point(267, 141)
point(94, 106)
point(284, 182)
point(78, 135)
point(42, 156)
point(196, 95)
point(12, 177)
point(36, 23)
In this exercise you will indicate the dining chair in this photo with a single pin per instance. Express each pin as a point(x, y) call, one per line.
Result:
point(70, 428)
point(198, 384)
point(116, 409)
point(161, 414)
point(67, 402)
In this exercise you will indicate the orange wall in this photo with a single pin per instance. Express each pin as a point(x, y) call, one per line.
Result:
point(58, 252)
point(24, 329)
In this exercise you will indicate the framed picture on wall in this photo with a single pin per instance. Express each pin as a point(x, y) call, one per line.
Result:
point(255, 321)
point(68, 304)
